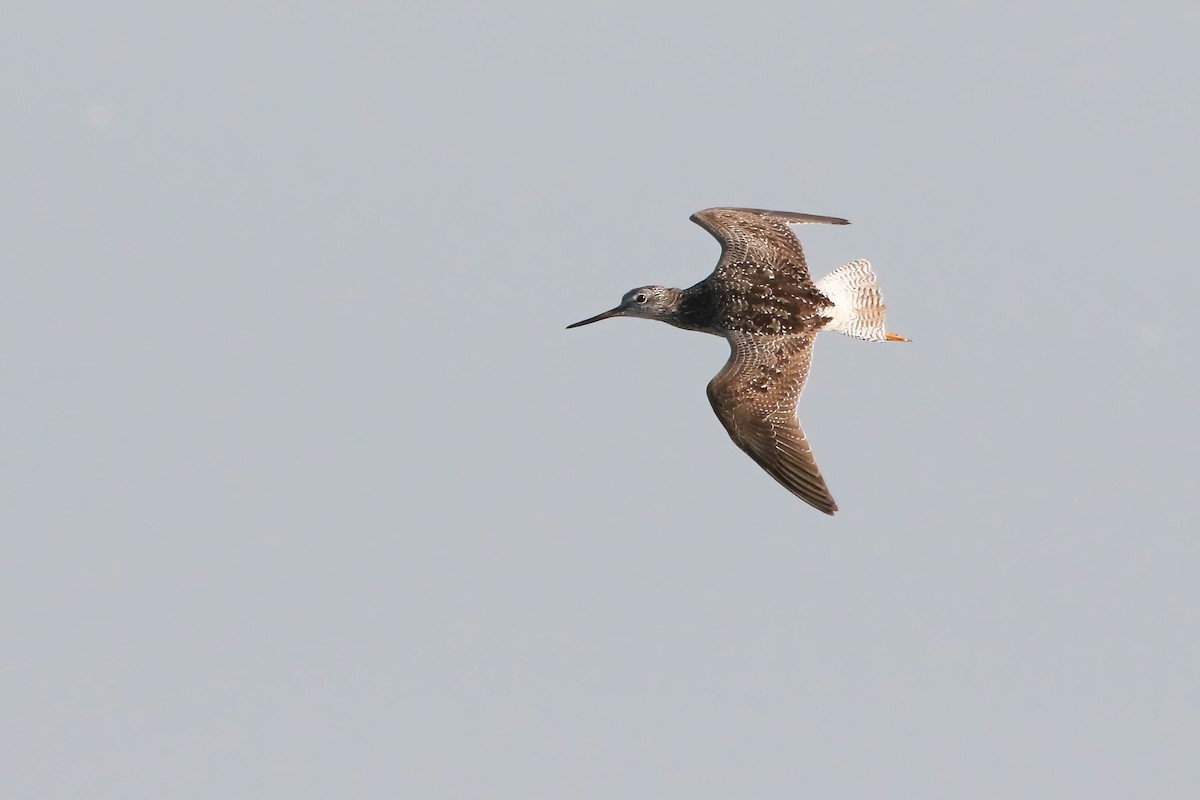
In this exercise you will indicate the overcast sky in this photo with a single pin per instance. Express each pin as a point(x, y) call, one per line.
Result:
point(306, 493)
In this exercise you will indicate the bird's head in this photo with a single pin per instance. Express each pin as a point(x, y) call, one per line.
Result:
point(651, 302)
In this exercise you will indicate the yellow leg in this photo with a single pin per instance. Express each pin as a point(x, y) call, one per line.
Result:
point(891, 337)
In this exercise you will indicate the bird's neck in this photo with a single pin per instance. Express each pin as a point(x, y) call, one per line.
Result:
point(693, 309)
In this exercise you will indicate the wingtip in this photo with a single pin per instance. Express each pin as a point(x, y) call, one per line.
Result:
point(828, 509)
point(792, 217)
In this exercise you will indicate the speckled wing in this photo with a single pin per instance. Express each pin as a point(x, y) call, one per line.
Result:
point(753, 237)
point(762, 276)
point(755, 398)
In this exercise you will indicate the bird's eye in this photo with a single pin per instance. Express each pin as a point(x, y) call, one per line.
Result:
point(641, 298)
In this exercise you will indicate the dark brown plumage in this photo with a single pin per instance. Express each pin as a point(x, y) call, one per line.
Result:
point(761, 298)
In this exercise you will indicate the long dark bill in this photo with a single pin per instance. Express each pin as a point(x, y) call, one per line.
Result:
point(612, 312)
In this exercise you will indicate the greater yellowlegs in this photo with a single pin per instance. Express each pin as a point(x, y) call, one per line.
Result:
point(761, 298)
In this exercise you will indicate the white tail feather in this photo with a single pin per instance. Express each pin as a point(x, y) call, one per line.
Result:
point(858, 307)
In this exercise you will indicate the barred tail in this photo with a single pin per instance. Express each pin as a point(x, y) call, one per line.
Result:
point(858, 307)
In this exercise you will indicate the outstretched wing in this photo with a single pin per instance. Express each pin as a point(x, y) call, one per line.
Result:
point(762, 279)
point(753, 238)
point(755, 398)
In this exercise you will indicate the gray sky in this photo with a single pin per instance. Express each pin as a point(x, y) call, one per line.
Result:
point(307, 493)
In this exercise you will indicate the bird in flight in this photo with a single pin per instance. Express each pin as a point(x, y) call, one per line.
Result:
point(761, 298)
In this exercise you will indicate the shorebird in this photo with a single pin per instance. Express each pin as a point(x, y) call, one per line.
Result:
point(761, 298)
